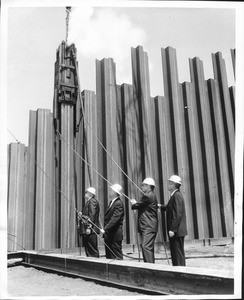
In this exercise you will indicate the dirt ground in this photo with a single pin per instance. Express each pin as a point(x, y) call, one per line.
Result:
point(27, 282)
point(23, 282)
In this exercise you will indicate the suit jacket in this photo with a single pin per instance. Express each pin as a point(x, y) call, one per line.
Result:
point(147, 213)
point(91, 209)
point(113, 220)
point(176, 215)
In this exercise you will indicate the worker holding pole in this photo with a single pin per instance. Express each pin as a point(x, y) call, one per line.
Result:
point(176, 221)
point(89, 223)
point(113, 224)
point(147, 208)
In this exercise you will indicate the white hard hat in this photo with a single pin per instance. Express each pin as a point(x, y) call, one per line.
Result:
point(175, 179)
point(91, 190)
point(149, 181)
point(117, 188)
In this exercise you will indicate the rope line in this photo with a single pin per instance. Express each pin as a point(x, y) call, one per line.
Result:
point(16, 243)
point(61, 137)
point(65, 197)
point(85, 119)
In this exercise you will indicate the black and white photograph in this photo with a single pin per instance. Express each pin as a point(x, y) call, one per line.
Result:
point(121, 141)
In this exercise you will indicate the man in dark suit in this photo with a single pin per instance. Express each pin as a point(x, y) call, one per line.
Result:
point(89, 230)
point(176, 221)
point(113, 224)
point(147, 219)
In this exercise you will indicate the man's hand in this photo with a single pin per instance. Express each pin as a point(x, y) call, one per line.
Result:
point(79, 215)
point(171, 233)
point(132, 201)
point(88, 231)
point(102, 231)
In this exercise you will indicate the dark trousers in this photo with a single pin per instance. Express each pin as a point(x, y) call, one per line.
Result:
point(113, 249)
point(147, 245)
point(177, 251)
point(90, 244)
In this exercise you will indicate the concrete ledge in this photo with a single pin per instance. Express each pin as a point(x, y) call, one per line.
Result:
point(155, 277)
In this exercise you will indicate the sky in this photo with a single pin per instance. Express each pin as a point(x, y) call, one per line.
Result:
point(34, 34)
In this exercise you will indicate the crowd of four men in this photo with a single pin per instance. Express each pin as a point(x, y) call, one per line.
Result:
point(90, 227)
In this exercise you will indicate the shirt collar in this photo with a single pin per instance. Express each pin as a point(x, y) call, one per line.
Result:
point(112, 201)
point(173, 192)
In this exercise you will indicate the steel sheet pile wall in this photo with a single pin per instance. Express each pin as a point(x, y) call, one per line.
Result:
point(16, 195)
point(189, 131)
point(31, 204)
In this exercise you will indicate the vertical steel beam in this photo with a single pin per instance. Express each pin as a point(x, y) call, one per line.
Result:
point(141, 88)
point(173, 94)
point(107, 127)
point(31, 183)
point(232, 100)
point(196, 170)
point(226, 202)
point(44, 191)
point(233, 56)
point(65, 124)
point(132, 154)
point(221, 76)
point(16, 196)
point(88, 129)
point(207, 144)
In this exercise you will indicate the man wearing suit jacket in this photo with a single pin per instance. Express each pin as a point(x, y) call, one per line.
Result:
point(88, 230)
point(113, 224)
point(176, 221)
point(147, 208)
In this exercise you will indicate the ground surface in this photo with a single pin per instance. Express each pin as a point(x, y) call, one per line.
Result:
point(23, 282)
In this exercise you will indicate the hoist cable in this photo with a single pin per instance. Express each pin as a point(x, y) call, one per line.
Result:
point(65, 197)
point(78, 83)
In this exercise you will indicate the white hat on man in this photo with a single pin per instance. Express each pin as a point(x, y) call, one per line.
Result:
point(117, 188)
point(91, 190)
point(149, 181)
point(175, 179)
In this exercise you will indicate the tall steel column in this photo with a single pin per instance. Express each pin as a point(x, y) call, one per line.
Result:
point(64, 110)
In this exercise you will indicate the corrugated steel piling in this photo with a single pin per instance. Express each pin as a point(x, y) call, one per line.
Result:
point(174, 96)
point(122, 134)
point(16, 196)
point(221, 76)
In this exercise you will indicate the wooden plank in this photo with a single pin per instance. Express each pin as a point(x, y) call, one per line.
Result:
point(173, 94)
point(221, 76)
point(226, 202)
point(207, 143)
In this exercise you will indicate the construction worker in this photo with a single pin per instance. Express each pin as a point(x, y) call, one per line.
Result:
point(113, 224)
point(147, 208)
point(176, 221)
point(89, 222)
